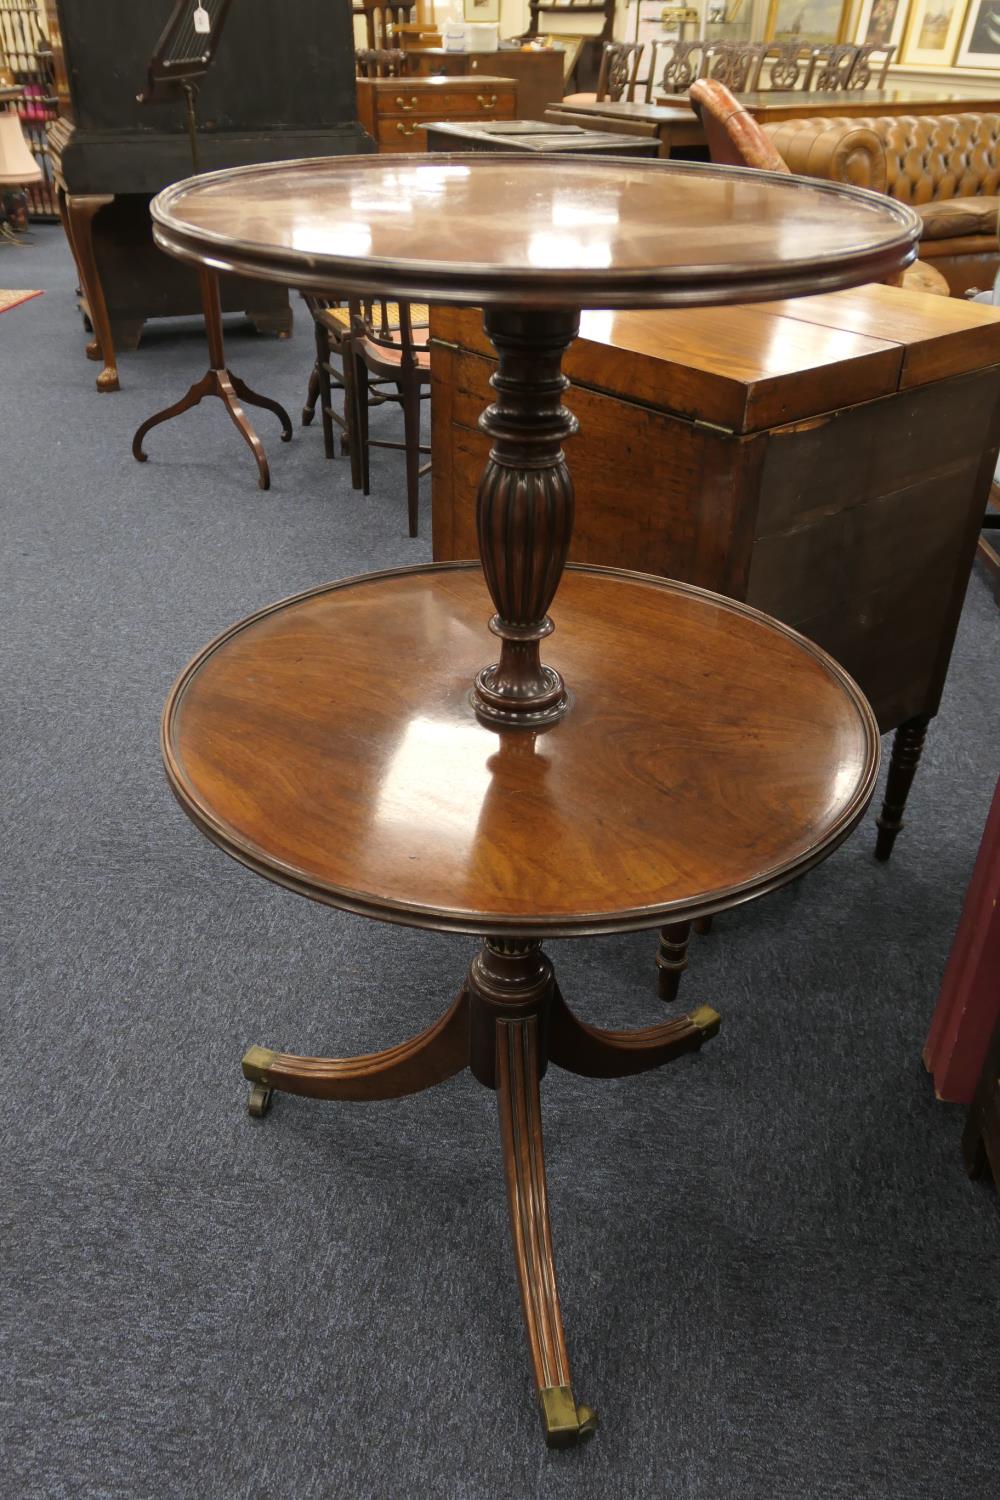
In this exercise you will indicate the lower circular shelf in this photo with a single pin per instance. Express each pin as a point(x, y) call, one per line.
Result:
point(710, 754)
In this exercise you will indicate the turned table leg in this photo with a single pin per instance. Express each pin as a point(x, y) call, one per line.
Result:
point(671, 958)
point(906, 749)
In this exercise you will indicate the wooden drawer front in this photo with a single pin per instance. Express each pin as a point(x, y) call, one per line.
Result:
point(480, 101)
point(401, 135)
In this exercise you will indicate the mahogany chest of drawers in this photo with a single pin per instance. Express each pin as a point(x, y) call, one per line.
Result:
point(395, 111)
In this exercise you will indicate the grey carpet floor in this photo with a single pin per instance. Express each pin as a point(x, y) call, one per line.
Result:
point(777, 1282)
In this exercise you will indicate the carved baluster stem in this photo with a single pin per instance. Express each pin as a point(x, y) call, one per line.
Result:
point(524, 513)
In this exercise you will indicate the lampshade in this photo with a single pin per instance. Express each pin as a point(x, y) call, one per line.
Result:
point(17, 165)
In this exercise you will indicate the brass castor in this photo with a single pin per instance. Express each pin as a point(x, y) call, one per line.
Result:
point(260, 1101)
point(564, 1422)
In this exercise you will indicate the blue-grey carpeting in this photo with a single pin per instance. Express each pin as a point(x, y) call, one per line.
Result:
point(777, 1281)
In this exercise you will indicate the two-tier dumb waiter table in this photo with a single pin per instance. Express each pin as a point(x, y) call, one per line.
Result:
point(673, 754)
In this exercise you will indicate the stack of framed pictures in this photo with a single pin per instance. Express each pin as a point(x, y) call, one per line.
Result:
point(979, 46)
point(926, 33)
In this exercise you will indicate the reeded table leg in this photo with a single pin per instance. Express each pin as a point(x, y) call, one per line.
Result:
point(517, 1073)
point(511, 987)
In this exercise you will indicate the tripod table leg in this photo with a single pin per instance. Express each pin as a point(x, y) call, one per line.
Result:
point(436, 1054)
point(517, 1078)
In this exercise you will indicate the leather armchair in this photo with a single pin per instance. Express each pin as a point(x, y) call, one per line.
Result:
point(947, 167)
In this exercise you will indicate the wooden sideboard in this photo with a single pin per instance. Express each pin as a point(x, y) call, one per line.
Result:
point(539, 73)
point(396, 111)
point(826, 459)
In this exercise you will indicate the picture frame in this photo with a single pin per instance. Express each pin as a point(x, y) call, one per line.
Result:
point(932, 33)
point(481, 10)
point(817, 21)
point(979, 46)
point(881, 23)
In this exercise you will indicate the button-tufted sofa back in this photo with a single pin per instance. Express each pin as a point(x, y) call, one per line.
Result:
point(927, 157)
point(931, 157)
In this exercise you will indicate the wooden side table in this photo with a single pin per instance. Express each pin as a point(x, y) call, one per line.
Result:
point(676, 753)
point(533, 135)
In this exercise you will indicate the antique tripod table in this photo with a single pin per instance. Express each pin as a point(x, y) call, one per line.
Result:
point(675, 754)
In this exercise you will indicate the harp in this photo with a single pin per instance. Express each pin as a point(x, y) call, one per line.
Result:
point(185, 50)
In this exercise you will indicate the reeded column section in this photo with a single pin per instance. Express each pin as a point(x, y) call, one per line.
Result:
point(524, 511)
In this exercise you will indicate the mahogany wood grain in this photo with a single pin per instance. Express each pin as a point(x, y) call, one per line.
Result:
point(419, 1063)
point(936, 336)
point(643, 233)
point(292, 747)
point(595, 1053)
point(744, 368)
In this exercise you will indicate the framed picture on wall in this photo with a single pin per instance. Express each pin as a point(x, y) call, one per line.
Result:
point(980, 44)
point(881, 23)
point(481, 10)
point(932, 32)
point(806, 20)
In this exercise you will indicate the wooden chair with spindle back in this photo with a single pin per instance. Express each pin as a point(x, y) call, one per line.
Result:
point(389, 349)
point(332, 328)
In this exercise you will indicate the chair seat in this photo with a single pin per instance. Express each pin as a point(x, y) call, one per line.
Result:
point(339, 318)
point(950, 218)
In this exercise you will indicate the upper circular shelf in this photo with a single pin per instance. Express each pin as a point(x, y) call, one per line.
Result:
point(539, 231)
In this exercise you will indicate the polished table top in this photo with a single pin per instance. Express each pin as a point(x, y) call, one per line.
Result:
point(329, 743)
point(586, 233)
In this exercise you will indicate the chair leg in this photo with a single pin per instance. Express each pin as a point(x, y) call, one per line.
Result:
point(411, 437)
point(312, 396)
point(360, 383)
point(671, 958)
point(323, 376)
point(351, 441)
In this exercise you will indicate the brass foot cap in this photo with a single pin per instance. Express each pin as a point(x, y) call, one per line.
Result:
point(256, 1061)
point(565, 1423)
point(707, 1020)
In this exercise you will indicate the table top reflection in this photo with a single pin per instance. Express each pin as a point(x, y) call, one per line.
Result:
point(586, 232)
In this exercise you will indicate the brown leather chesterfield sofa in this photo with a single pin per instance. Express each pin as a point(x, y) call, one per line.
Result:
point(946, 166)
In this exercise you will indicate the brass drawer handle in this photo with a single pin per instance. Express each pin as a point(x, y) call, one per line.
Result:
point(411, 104)
point(487, 101)
point(406, 129)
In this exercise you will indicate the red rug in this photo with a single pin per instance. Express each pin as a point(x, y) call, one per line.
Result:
point(13, 299)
